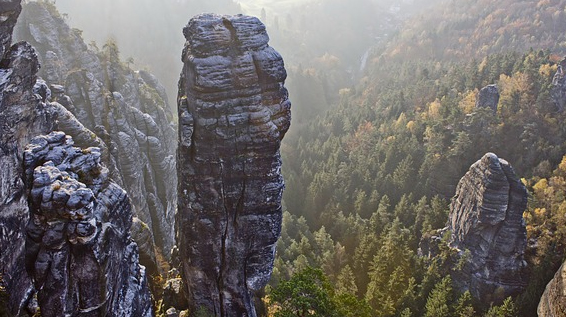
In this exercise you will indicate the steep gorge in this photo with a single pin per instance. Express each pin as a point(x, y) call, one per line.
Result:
point(65, 199)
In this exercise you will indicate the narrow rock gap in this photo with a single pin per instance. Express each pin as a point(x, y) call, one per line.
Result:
point(223, 255)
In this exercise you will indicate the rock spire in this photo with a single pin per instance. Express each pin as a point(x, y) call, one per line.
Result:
point(486, 222)
point(233, 113)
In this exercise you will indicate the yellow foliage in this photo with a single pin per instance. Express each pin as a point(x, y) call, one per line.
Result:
point(411, 126)
point(329, 61)
point(547, 70)
point(390, 139)
point(344, 92)
point(540, 212)
point(468, 103)
point(401, 121)
point(434, 109)
point(517, 82)
point(540, 188)
point(524, 181)
point(562, 165)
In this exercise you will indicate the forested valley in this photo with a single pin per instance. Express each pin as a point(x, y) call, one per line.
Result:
point(385, 124)
point(373, 175)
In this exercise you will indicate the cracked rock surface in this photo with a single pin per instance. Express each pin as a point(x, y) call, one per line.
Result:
point(78, 248)
point(233, 114)
point(64, 228)
point(486, 222)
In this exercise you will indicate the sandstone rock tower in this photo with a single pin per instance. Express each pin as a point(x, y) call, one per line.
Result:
point(233, 113)
point(486, 219)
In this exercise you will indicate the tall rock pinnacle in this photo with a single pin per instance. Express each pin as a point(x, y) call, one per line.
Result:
point(233, 113)
point(486, 222)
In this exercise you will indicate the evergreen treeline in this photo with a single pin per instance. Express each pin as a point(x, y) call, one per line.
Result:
point(368, 179)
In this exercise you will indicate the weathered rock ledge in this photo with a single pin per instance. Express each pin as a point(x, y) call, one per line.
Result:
point(233, 113)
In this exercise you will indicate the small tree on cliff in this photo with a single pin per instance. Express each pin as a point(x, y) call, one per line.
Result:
point(307, 293)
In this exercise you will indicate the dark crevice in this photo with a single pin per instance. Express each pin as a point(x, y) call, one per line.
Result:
point(223, 255)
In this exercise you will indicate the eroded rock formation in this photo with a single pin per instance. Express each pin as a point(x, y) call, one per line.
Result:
point(127, 110)
point(488, 97)
point(22, 115)
point(553, 300)
point(486, 224)
point(233, 113)
point(78, 249)
point(71, 248)
point(558, 91)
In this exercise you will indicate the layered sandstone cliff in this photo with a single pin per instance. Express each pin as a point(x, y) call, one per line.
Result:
point(78, 249)
point(22, 116)
point(64, 226)
point(487, 227)
point(127, 110)
point(233, 113)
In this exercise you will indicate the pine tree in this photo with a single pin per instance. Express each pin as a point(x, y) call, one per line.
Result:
point(437, 304)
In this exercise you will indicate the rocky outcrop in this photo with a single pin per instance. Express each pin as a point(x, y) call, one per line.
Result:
point(78, 249)
point(8, 16)
point(233, 113)
point(558, 90)
point(64, 227)
point(487, 226)
point(553, 300)
point(488, 97)
point(127, 110)
point(22, 115)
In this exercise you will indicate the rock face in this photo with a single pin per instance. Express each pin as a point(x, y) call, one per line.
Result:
point(233, 113)
point(64, 227)
point(127, 110)
point(558, 91)
point(8, 16)
point(488, 97)
point(553, 300)
point(486, 218)
point(78, 247)
point(22, 115)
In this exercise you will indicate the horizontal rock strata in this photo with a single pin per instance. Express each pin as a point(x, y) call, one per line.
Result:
point(78, 248)
point(127, 110)
point(233, 113)
point(486, 220)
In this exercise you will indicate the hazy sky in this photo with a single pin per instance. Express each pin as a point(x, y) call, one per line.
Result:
point(254, 6)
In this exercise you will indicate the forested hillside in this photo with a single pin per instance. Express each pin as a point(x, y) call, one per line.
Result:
point(368, 179)
point(474, 29)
